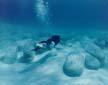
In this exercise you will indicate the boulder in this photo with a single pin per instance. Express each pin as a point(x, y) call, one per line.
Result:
point(102, 41)
point(105, 64)
point(25, 45)
point(10, 55)
point(27, 57)
point(73, 65)
point(92, 63)
point(94, 50)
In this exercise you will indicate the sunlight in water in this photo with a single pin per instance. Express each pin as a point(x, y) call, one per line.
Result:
point(42, 10)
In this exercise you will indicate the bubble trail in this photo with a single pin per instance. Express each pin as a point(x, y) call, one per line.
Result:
point(42, 9)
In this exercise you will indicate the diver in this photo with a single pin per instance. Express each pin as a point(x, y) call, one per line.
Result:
point(48, 44)
point(40, 50)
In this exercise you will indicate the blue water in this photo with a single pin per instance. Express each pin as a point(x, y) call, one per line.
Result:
point(62, 12)
point(81, 58)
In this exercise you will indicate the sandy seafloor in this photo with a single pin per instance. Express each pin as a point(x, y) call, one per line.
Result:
point(50, 70)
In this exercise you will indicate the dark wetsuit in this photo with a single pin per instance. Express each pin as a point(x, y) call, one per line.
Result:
point(55, 39)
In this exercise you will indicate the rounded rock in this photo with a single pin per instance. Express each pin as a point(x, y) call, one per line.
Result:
point(92, 63)
point(74, 65)
point(10, 55)
point(94, 50)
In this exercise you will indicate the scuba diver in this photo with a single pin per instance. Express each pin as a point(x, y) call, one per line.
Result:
point(48, 44)
point(41, 49)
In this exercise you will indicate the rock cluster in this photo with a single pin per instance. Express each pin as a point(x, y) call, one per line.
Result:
point(94, 58)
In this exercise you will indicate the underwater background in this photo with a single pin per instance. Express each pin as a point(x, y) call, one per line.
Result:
point(81, 58)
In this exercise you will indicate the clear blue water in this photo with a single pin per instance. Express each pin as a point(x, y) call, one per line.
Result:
point(81, 58)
